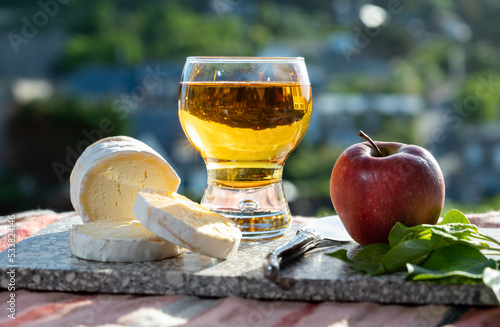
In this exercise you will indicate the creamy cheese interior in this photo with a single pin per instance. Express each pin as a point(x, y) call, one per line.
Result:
point(190, 212)
point(181, 221)
point(112, 186)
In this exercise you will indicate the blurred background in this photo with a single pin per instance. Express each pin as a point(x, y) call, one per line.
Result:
point(422, 72)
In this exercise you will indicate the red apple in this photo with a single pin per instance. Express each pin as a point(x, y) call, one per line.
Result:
point(376, 184)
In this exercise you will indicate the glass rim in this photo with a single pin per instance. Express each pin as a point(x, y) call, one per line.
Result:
point(231, 59)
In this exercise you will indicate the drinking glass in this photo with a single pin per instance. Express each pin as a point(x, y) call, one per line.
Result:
point(245, 115)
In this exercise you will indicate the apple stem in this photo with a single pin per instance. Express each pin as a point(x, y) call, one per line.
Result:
point(373, 145)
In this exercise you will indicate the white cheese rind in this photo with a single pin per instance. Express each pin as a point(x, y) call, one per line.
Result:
point(123, 164)
point(128, 242)
point(186, 223)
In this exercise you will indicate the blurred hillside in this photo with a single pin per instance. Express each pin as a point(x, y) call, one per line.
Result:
point(422, 72)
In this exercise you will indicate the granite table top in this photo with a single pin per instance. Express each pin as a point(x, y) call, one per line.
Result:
point(44, 262)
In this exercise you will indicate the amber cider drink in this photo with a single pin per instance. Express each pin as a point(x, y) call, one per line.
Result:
point(245, 130)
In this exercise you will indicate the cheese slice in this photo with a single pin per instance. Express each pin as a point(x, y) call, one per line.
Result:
point(109, 174)
point(119, 240)
point(186, 223)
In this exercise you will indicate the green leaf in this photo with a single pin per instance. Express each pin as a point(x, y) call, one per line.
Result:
point(454, 216)
point(410, 251)
point(491, 278)
point(455, 229)
point(341, 255)
point(453, 260)
point(454, 233)
point(446, 253)
point(451, 231)
point(371, 256)
point(399, 233)
point(367, 260)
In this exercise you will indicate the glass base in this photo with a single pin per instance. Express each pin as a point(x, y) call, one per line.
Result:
point(261, 213)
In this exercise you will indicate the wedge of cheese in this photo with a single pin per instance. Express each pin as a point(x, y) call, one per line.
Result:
point(119, 240)
point(186, 223)
point(109, 173)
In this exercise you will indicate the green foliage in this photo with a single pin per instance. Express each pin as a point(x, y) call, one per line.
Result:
point(367, 260)
point(488, 204)
point(481, 56)
point(368, 84)
point(408, 78)
point(454, 216)
point(42, 132)
point(448, 252)
point(424, 67)
point(324, 211)
point(396, 129)
point(65, 111)
point(392, 41)
point(405, 79)
point(111, 32)
point(310, 159)
point(310, 167)
point(454, 260)
point(44, 139)
point(108, 35)
point(175, 31)
point(479, 98)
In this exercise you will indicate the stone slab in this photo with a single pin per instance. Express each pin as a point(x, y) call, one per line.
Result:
point(44, 262)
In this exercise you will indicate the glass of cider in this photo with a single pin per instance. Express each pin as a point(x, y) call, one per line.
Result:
point(245, 115)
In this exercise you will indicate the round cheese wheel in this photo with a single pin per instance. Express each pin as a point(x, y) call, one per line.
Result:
point(119, 240)
point(109, 173)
